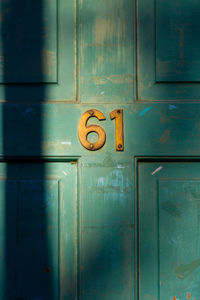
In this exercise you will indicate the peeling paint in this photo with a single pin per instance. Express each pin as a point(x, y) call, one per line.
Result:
point(66, 143)
point(172, 107)
point(115, 79)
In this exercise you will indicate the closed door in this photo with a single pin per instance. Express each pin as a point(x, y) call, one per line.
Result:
point(99, 149)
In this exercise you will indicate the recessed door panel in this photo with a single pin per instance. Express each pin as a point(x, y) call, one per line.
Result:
point(37, 50)
point(38, 260)
point(169, 224)
point(168, 50)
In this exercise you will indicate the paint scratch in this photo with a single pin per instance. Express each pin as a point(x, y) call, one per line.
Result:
point(157, 170)
point(66, 143)
point(65, 173)
point(144, 111)
point(172, 107)
point(120, 167)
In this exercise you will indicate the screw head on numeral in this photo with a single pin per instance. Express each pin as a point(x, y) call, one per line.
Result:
point(91, 112)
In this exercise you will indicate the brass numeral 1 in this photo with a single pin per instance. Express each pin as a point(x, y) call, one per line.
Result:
point(117, 114)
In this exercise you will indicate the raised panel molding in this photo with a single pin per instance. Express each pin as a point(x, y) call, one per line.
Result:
point(38, 51)
point(168, 60)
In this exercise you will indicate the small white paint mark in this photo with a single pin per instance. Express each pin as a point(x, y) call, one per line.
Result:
point(172, 107)
point(66, 143)
point(102, 93)
point(65, 173)
point(101, 181)
point(157, 170)
point(120, 167)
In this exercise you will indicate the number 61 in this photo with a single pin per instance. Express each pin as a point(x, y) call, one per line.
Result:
point(84, 129)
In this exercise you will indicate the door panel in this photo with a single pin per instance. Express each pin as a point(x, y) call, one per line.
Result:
point(38, 50)
point(35, 213)
point(168, 50)
point(169, 244)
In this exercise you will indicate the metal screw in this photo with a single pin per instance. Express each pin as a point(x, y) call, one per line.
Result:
point(119, 146)
point(91, 112)
point(91, 146)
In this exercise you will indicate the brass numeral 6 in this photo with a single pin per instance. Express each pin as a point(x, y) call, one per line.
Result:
point(84, 130)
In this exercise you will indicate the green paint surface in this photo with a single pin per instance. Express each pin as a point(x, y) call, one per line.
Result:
point(169, 230)
point(94, 225)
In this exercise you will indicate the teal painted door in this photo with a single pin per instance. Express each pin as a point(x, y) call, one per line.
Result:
point(78, 224)
point(169, 230)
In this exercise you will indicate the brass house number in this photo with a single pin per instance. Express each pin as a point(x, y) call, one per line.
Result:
point(84, 129)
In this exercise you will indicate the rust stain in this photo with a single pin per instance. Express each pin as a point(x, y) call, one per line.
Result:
point(165, 137)
point(189, 296)
point(174, 298)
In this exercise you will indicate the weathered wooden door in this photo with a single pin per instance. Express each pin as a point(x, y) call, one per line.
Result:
point(99, 217)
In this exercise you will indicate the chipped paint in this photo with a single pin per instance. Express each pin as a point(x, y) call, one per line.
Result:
point(116, 79)
point(66, 143)
point(157, 170)
point(51, 145)
point(49, 60)
point(172, 107)
point(109, 36)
